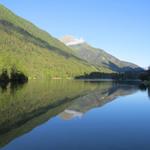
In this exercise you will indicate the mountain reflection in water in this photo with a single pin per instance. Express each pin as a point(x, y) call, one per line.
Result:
point(26, 107)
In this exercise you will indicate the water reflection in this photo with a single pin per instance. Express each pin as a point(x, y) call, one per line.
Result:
point(13, 87)
point(149, 92)
point(23, 108)
point(96, 98)
point(142, 87)
point(3, 87)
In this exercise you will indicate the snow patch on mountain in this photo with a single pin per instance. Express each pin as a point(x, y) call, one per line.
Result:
point(70, 40)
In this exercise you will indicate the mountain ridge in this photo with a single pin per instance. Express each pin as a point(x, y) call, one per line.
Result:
point(99, 57)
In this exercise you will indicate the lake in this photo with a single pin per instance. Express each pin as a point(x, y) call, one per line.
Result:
point(74, 115)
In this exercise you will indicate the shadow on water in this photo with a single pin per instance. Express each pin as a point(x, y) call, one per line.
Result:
point(24, 107)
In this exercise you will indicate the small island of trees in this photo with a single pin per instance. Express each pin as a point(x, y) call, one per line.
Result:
point(14, 76)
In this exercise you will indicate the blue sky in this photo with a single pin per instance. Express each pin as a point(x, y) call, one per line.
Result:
point(121, 27)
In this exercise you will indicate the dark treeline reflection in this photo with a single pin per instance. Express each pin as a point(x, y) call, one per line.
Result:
point(12, 87)
point(149, 92)
point(23, 107)
point(142, 87)
point(3, 87)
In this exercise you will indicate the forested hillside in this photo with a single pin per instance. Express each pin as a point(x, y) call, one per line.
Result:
point(33, 51)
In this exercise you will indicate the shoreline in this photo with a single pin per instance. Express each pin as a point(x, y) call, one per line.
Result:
point(108, 80)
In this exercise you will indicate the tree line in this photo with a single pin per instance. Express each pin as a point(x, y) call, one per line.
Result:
point(113, 76)
point(145, 77)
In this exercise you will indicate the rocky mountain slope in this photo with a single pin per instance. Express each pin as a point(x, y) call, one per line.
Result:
point(97, 57)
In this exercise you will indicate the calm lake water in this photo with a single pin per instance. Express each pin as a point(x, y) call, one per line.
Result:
point(74, 115)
